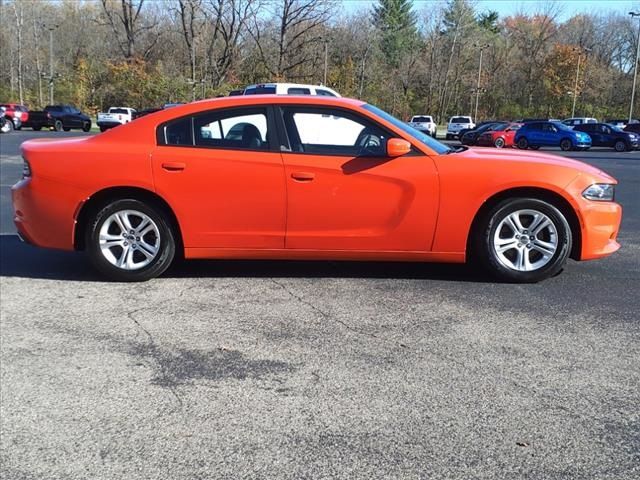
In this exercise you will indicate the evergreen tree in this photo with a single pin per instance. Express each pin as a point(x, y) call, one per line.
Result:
point(396, 22)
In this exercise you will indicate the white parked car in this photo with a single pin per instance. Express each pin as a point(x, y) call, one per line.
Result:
point(289, 89)
point(572, 122)
point(425, 124)
point(115, 116)
point(458, 123)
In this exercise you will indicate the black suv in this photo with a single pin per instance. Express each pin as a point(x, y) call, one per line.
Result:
point(607, 135)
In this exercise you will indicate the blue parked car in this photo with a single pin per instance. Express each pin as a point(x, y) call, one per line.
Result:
point(551, 134)
point(605, 135)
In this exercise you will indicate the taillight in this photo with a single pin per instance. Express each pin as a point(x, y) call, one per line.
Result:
point(26, 168)
point(48, 115)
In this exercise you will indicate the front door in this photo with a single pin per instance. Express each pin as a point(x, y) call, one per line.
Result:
point(219, 173)
point(344, 193)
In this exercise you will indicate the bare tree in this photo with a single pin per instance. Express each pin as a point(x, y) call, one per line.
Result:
point(298, 25)
point(127, 18)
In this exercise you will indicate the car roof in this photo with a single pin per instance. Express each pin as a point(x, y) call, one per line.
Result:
point(246, 101)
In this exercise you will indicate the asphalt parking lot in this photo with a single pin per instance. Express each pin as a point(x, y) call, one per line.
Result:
point(319, 369)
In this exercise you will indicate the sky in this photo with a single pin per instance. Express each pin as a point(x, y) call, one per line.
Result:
point(509, 7)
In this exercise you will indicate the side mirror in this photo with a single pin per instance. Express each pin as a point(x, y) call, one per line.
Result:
point(396, 147)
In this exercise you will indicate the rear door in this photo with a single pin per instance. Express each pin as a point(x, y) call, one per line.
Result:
point(224, 178)
point(344, 193)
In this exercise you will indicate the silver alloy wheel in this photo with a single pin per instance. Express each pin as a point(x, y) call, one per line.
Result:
point(129, 239)
point(499, 142)
point(525, 240)
point(620, 146)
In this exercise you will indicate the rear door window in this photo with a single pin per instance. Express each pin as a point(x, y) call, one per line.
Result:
point(298, 91)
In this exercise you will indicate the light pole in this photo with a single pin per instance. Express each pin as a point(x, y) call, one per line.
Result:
point(51, 28)
point(326, 60)
point(635, 66)
point(575, 87)
point(482, 47)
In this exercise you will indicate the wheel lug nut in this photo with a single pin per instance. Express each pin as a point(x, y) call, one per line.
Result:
point(126, 243)
point(138, 239)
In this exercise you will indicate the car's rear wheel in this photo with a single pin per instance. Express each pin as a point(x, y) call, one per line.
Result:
point(499, 143)
point(523, 143)
point(129, 240)
point(620, 146)
point(7, 126)
point(523, 240)
point(566, 145)
point(57, 126)
point(86, 126)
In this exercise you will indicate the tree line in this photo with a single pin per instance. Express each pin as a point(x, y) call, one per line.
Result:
point(408, 59)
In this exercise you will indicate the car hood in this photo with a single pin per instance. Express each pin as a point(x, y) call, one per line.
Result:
point(520, 156)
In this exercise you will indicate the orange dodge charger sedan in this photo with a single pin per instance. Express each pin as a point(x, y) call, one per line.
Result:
point(292, 177)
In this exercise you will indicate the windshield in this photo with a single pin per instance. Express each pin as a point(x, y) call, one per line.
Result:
point(561, 126)
point(434, 145)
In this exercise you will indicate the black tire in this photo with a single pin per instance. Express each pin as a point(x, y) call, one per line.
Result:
point(166, 242)
point(103, 129)
point(566, 145)
point(66, 129)
point(523, 143)
point(621, 146)
point(86, 127)
point(36, 129)
point(484, 250)
point(499, 143)
point(57, 126)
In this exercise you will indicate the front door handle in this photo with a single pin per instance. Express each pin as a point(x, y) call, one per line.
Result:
point(173, 166)
point(303, 176)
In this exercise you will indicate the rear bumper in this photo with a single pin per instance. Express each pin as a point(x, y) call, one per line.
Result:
point(108, 124)
point(44, 213)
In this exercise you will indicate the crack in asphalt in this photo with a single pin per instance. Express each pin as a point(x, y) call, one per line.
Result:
point(327, 316)
point(154, 353)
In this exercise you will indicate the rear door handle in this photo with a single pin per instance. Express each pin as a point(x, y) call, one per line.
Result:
point(303, 176)
point(173, 166)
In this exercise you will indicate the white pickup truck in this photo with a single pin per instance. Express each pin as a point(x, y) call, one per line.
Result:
point(458, 125)
point(424, 123)
point(115, 116)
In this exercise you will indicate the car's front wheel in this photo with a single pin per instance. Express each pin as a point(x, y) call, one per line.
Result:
point(57, 126)
point(523, 240)
point(620, 146)
point(86, 126)
point(129, 240)
point(566, 145)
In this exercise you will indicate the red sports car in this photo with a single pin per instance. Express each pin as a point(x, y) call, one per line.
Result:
point(499, 137)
